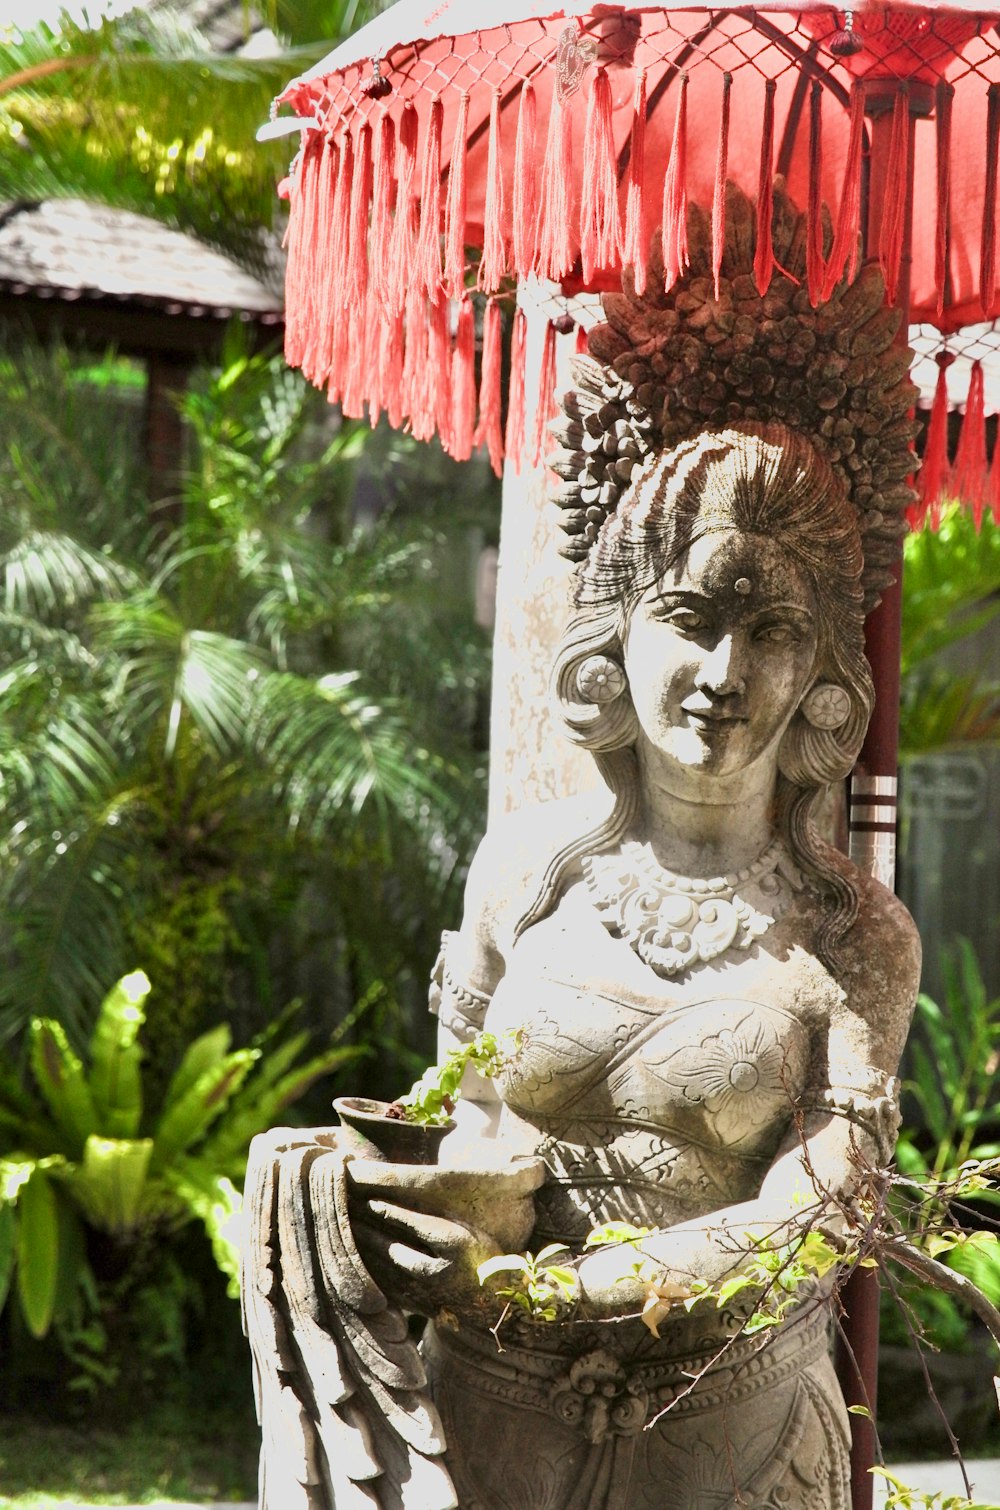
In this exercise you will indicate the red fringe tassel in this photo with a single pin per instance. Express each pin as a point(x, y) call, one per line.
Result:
point(488, 430)
point(454, 241)
point(514, 439)
point(546, 391)
point(440, 369)
point(995, 480)
point(554, 257)
point(897, 172)
point(988, 254)
point(416, 402)
point(582, 345)
point(969, 478)
point(306, 190)
point(815, 266)
point(309, 275)
point(719, 196)
point(392, 349)
point(763, 262)
point(847, 240)
point(383, 190)
point(493, 263)
point(429, 238)
point(934, 467)
point(356, 281)
point(404, 231)
point(525, 186)
point(942, 232)
point(675, 244)
point(463, 383)
point(341, 229)
point(600, 222)
point(636, 243)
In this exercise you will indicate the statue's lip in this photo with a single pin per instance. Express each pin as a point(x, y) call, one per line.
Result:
point(714, 715)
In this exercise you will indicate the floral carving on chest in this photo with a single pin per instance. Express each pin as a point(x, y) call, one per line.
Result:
point(674, 922)
point(741, 1070)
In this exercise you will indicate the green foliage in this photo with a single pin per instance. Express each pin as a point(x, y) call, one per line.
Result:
point(75, 1152)
point(951, 589)
point(902, 1497)
point(546, 1291)
point(954, 1054)
point(773, 1276)
point(138, 112)
point(431, 1100)
point(206, 757)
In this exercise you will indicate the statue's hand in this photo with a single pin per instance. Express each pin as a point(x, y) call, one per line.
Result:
point(422, 1230)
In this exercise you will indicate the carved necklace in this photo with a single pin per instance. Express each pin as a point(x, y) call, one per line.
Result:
point(674, 922)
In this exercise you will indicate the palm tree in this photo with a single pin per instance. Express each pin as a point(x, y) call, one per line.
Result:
point(195, 775)
point(140, 113)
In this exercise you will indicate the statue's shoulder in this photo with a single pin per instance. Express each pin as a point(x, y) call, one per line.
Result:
point(880, 956)
point(510, 865)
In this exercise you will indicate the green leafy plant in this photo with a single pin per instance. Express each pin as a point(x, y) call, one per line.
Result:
point(951, 579)
point(955, 1053)
point(545, 1290)
point(902, 1497)
point(431, 1099)
point(82, 1148)
point(207, 760)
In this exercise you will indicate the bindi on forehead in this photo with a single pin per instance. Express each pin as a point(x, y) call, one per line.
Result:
point(749, 568)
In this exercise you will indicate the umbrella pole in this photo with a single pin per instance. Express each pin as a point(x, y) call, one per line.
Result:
point(873, 820)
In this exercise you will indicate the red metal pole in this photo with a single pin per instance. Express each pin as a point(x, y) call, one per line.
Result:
point(873, 817)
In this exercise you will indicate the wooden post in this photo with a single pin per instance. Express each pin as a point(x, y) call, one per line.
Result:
point(873, 814)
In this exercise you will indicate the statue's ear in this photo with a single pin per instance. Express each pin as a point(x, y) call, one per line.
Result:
point(826, 706)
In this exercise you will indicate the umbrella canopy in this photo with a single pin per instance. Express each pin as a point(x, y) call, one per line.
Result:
point(479, 145)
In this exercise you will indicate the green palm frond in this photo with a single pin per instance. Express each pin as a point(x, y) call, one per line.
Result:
point(139, 114)
point(337, 752)
point(169, 670)
point(941, 711)
point(47, 574)
point(951, 584)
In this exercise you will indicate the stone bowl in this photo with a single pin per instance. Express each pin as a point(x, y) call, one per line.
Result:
point(368, 1132)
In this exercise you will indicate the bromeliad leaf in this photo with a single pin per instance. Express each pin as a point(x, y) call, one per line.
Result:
point(187, 1118)
point(204, 1054)
point(111, 1182)
point(115, 1056)
point(37, 1252)
point(60, 1077)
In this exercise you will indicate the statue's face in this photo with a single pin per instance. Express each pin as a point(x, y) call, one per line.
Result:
point(719, 653)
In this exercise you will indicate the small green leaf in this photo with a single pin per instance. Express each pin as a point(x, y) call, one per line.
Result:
point(860, 1410)
point(502, 1263)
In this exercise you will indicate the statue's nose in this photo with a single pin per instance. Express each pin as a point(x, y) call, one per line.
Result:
point(722, 671)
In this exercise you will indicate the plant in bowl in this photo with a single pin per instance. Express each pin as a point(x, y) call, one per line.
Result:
point(410, 1130)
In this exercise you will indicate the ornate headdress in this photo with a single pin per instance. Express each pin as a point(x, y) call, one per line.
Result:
point(703, 355)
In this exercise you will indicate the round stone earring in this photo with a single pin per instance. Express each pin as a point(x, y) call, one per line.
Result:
point(599, 679)
point(826, 706)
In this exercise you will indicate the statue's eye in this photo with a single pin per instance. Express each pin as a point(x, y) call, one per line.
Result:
point(684, 619)
point(779, 633)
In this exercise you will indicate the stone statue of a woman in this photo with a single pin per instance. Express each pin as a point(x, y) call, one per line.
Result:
point(708, 1002)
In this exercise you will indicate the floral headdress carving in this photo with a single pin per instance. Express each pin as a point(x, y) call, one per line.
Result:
point(668, 365)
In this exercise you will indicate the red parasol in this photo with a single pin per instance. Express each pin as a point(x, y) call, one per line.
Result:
point(554, 145)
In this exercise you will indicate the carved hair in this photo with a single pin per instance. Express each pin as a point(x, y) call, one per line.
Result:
point(759, 478)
